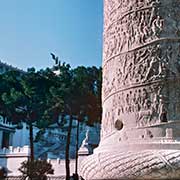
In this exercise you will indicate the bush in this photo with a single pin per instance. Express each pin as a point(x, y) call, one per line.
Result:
point(36, 170)
point(3, 172)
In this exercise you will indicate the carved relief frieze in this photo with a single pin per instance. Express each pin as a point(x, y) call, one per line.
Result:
point(141, 54)
point(109, 79)
point(145, 65)
point(114, 9)
point(131, 30)
point(151, 105)
point(138, 28)
point(109, 117)
point(174, 96)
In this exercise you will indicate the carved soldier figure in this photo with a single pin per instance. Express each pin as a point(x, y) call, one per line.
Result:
point(157, 26)
point(162, 110)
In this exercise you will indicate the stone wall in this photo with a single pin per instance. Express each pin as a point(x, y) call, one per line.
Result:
point(59, 166)
point(12, 158)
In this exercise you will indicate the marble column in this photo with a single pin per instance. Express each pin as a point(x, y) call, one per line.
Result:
point(140, 136)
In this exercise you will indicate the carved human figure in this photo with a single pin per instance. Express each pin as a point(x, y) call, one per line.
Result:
point(157, 26)
point(145, 100)
point(162, 110)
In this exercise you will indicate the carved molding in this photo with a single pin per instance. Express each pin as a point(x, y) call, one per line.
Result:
point(157, 164)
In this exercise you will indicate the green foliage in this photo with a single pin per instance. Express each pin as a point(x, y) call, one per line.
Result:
point(36, 170)
point(42, 96)
point(88, 84)
point(3, 173)
point(38, 98)
point(9, 85)
point(25, 96)
point(39, 135)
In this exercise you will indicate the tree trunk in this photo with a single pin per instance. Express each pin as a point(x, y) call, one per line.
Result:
point(77, 146)
point(31, 159)
point(31, 142)
point(67, 148)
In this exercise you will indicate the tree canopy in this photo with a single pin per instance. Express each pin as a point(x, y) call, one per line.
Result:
point(40, 97)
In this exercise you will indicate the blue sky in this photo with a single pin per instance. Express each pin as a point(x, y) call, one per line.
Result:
point(31, 29)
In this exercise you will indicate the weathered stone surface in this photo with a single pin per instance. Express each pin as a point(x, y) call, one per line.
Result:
point(162, 164)
point(140, 135)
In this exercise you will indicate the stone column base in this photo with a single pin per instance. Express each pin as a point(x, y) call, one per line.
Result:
point(146, 164)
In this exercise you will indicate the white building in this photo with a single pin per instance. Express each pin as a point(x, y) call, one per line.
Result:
point(10, 157)
point(6, 133)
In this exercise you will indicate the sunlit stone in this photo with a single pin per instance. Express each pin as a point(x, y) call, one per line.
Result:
point(140, 136)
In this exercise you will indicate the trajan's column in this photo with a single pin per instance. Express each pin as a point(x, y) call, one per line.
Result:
point(140, 136)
